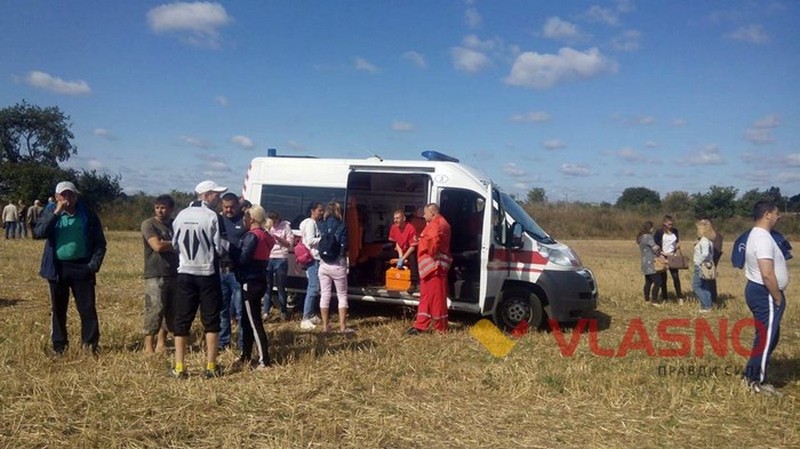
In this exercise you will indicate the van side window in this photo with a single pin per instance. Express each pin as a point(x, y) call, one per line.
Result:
point(292, 201)
point(464, 210)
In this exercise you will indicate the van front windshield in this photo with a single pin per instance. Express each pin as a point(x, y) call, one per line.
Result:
point(528, 224)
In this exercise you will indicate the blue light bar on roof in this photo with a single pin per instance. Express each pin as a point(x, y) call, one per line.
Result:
point(433, 155)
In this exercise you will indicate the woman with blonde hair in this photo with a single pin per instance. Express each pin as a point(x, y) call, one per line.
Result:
point(703, 253)
point(256, 245)
point(333, 265)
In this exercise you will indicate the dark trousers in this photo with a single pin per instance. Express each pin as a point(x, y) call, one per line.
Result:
point(252, 326)
point(80, 279)
point(676, 282)
point(652, 281)
point(768, 329)
point(204, 292)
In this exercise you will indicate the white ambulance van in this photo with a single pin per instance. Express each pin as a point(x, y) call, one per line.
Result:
point(505, 266)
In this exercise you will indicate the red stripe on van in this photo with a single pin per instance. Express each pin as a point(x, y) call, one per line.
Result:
point(519, 256)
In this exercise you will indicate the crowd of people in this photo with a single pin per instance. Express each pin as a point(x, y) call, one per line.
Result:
point(224, 257)
point(19, 218)
point(761, 252)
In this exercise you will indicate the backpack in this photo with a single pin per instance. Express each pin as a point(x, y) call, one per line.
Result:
point(740, 247)
point(329, 246)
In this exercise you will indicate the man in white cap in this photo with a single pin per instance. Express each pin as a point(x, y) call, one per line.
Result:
point(73, 254)
point(197, 238)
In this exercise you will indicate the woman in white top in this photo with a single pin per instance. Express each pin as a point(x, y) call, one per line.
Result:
point(310, 237)
point(703, 253)
point(669, 240)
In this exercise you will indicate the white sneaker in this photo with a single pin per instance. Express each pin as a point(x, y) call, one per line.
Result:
point(765, 389)
point(315, 319)
point(307, 325)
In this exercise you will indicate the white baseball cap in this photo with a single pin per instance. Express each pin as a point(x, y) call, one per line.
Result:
point(65, 185)
point(209, 186)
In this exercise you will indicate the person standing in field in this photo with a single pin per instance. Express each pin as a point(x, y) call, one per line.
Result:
point(160, 275)
point(649, 253)
point(278, 267)
point(767, 278)
point(10, 219)
point(199, 243)
point(72, 256)
point(232, 228)
point(717, 245)
point(309, 233)
point(703, 252)
point(256, 245)
point(668, 239)
point(34, 212)
point(22, 227)
point(434, 261)
point(333, 265)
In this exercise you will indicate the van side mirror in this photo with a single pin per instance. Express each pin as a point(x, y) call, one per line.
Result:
point(516, 236)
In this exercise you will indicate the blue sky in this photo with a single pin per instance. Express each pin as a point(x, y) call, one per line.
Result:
point(581, 98)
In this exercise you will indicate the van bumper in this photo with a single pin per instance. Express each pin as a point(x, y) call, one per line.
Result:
point(570, 294)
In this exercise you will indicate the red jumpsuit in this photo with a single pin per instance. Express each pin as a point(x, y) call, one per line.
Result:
point(434, 262)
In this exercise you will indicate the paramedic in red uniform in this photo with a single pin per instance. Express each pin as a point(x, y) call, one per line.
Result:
point(434, 261)
point(404, 237)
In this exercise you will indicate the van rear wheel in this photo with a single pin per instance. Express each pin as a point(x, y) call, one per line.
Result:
point(519, 305)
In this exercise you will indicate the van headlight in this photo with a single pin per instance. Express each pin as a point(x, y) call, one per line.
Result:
point(561, 256)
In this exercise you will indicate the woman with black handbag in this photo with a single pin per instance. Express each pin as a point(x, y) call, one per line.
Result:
point(669, 240)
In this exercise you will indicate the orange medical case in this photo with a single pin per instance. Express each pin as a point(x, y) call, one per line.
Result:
point(398, 280)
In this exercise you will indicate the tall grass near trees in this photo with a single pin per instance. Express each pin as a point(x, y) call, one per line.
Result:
point(379, 388)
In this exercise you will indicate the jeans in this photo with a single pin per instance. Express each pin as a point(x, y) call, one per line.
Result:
point(310, 305)
point(22, 230)
point(277, 272)
point(11, 228)
point(702, 289)
point(231, 301)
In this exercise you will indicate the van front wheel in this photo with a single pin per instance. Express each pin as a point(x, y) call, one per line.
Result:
point(519, 305)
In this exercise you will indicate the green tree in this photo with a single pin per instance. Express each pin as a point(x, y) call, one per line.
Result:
point(638, 197)
point(31, 134)
point(677, 203)
point(718, 203)
point(98, 189)
point(537, 195)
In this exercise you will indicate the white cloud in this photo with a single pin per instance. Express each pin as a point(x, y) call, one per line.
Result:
point(296, 146)
point(221, 100)
point(94, 164)
point(761, 131)
point(793, 160)
point(609, 15)
point(553, 144)
point(194, 141)
point(511, 169)
point(243, 141)
point(521, 185)
point(627, 41)
point(55, 84)
point(646, 120)
point(575, 170)
point(363, 65)
point(474, 54)
point(651, 144)
point(708, 155)
point(213, 164)
point(679, 122)
point(102, 132)
point(543, 71)
point(472, 18)
point(196, 23)
point(531, 117)
point(787, 177)
point(416, 58)
point(401, 126)
point(555, 28)
point(629, 155)
point(753, 34)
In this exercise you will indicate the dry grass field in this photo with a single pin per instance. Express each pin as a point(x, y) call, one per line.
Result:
point(379, 388)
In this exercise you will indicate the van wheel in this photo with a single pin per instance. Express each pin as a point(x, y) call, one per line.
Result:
point(519, 305)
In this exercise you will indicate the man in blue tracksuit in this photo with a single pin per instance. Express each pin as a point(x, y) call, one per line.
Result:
point(767, 278)
point(73, 254)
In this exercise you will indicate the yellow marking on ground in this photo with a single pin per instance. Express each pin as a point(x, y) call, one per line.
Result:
point(492, 338)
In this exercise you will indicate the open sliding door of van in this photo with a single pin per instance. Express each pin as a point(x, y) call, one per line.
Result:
point(374, 193)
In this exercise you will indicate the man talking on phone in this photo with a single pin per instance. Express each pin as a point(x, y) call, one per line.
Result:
point(73, 254)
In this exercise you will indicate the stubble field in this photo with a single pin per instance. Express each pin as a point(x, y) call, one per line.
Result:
point(379, 388)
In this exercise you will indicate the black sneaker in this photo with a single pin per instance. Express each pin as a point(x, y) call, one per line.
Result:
point(210, 374)
point(180, 375)
point(413, 331)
